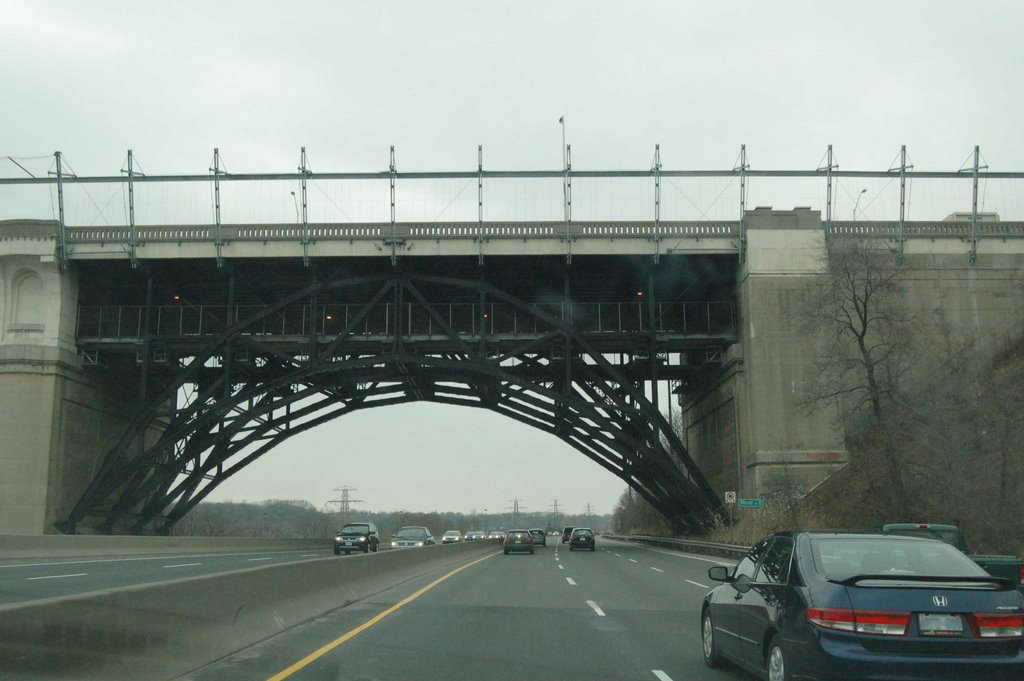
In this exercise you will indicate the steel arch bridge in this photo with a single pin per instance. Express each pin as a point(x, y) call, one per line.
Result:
point(248, 381)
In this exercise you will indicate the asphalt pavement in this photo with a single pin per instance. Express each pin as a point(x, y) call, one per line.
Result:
point(622, 612)
point(22, 581)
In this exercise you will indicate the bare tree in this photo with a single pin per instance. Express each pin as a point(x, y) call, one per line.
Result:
point(856, 311)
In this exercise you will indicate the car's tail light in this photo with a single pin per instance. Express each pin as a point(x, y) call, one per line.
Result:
point(529, 540)
point(879, 622)
point(1021, 580)
point(989, 625)
point(507, 541)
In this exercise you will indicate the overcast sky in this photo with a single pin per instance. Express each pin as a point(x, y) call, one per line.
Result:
point(172, 80)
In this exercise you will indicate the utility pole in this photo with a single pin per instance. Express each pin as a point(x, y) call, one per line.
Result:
point(516, 507)
point(345, 502)
point(554, 513)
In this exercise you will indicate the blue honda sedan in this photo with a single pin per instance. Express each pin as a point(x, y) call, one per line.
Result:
point(830, 606)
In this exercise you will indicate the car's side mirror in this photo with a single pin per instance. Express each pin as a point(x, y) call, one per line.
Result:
point(742, 583)
point(718, 573)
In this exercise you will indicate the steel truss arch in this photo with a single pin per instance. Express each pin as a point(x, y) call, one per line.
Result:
point(215, 419)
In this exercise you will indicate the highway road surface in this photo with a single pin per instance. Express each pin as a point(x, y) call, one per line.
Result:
point(622, 612)
point(29, 580)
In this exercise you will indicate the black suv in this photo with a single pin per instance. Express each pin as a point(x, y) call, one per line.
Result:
point(356, 537)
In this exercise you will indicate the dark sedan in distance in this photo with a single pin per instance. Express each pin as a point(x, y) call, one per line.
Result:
point(518, 540)
point(830, 606)
point(582, 538)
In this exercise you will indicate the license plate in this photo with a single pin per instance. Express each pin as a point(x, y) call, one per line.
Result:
point(939, 624)
point(350, 543)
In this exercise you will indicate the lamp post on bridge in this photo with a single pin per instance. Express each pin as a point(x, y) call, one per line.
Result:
point(862, 193)
point(295, 201)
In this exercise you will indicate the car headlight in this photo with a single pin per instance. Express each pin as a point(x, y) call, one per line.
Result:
point(419, 543)
point(362, 539)
point(337, 538)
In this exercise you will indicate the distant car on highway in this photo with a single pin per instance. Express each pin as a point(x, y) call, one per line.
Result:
point(356, 537)
point(582, 538)
point(518, 540)
point(497, 534)
point(411, 537)
point(539, 539)
point(473, 535)
point(838, 606)
point(451, 537)
point(566, 533)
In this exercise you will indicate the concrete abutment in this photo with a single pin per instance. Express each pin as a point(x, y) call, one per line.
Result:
point(746, 424)
point(56, 421)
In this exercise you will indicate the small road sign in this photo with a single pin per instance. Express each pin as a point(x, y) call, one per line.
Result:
point(730, 497)
point(751, 503)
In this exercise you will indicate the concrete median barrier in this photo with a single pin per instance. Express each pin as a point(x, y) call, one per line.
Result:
point(26, 547)
point(163, 630)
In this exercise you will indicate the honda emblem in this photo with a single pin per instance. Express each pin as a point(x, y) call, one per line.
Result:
point(940, 601)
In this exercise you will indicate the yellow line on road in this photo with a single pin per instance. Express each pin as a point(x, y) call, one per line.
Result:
point(312, 657)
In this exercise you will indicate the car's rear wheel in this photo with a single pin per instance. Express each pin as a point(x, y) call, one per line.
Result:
point(506, 552)
point(777, 670)
point(707, 635)
point(347, 552)
point(531, 552)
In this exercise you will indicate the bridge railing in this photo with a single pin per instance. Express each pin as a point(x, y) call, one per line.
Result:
point(377, 231)
point(936, 229)
point(704, 318)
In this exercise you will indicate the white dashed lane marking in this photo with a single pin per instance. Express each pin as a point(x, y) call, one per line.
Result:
point(657, 569)
point(703, 586)
point(631, 560)
point(77, 574)
point(182, 565)
point(571, 581)
point(662, 676)
point(267, 558)
point(561, 567)
point(596, 607)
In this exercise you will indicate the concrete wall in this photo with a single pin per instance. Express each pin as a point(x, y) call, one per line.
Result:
point(163, 630)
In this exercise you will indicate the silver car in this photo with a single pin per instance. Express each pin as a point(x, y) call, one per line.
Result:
point(539, 538)
point(413, 536)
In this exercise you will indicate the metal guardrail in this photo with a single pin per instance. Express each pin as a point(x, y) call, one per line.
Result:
point(691, 544)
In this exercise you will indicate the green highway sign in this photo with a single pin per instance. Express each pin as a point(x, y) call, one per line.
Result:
point(750, 503)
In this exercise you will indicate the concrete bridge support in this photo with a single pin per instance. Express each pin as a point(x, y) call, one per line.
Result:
point(744, 424)
point(54, 421)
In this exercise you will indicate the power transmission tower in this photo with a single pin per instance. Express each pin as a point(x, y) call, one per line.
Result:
point(516, 507)
point(554, 513)
point(345, 501)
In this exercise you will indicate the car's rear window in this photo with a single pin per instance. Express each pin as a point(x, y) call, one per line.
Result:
point(839, 558)
point(411, 533)
point(583, 534)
